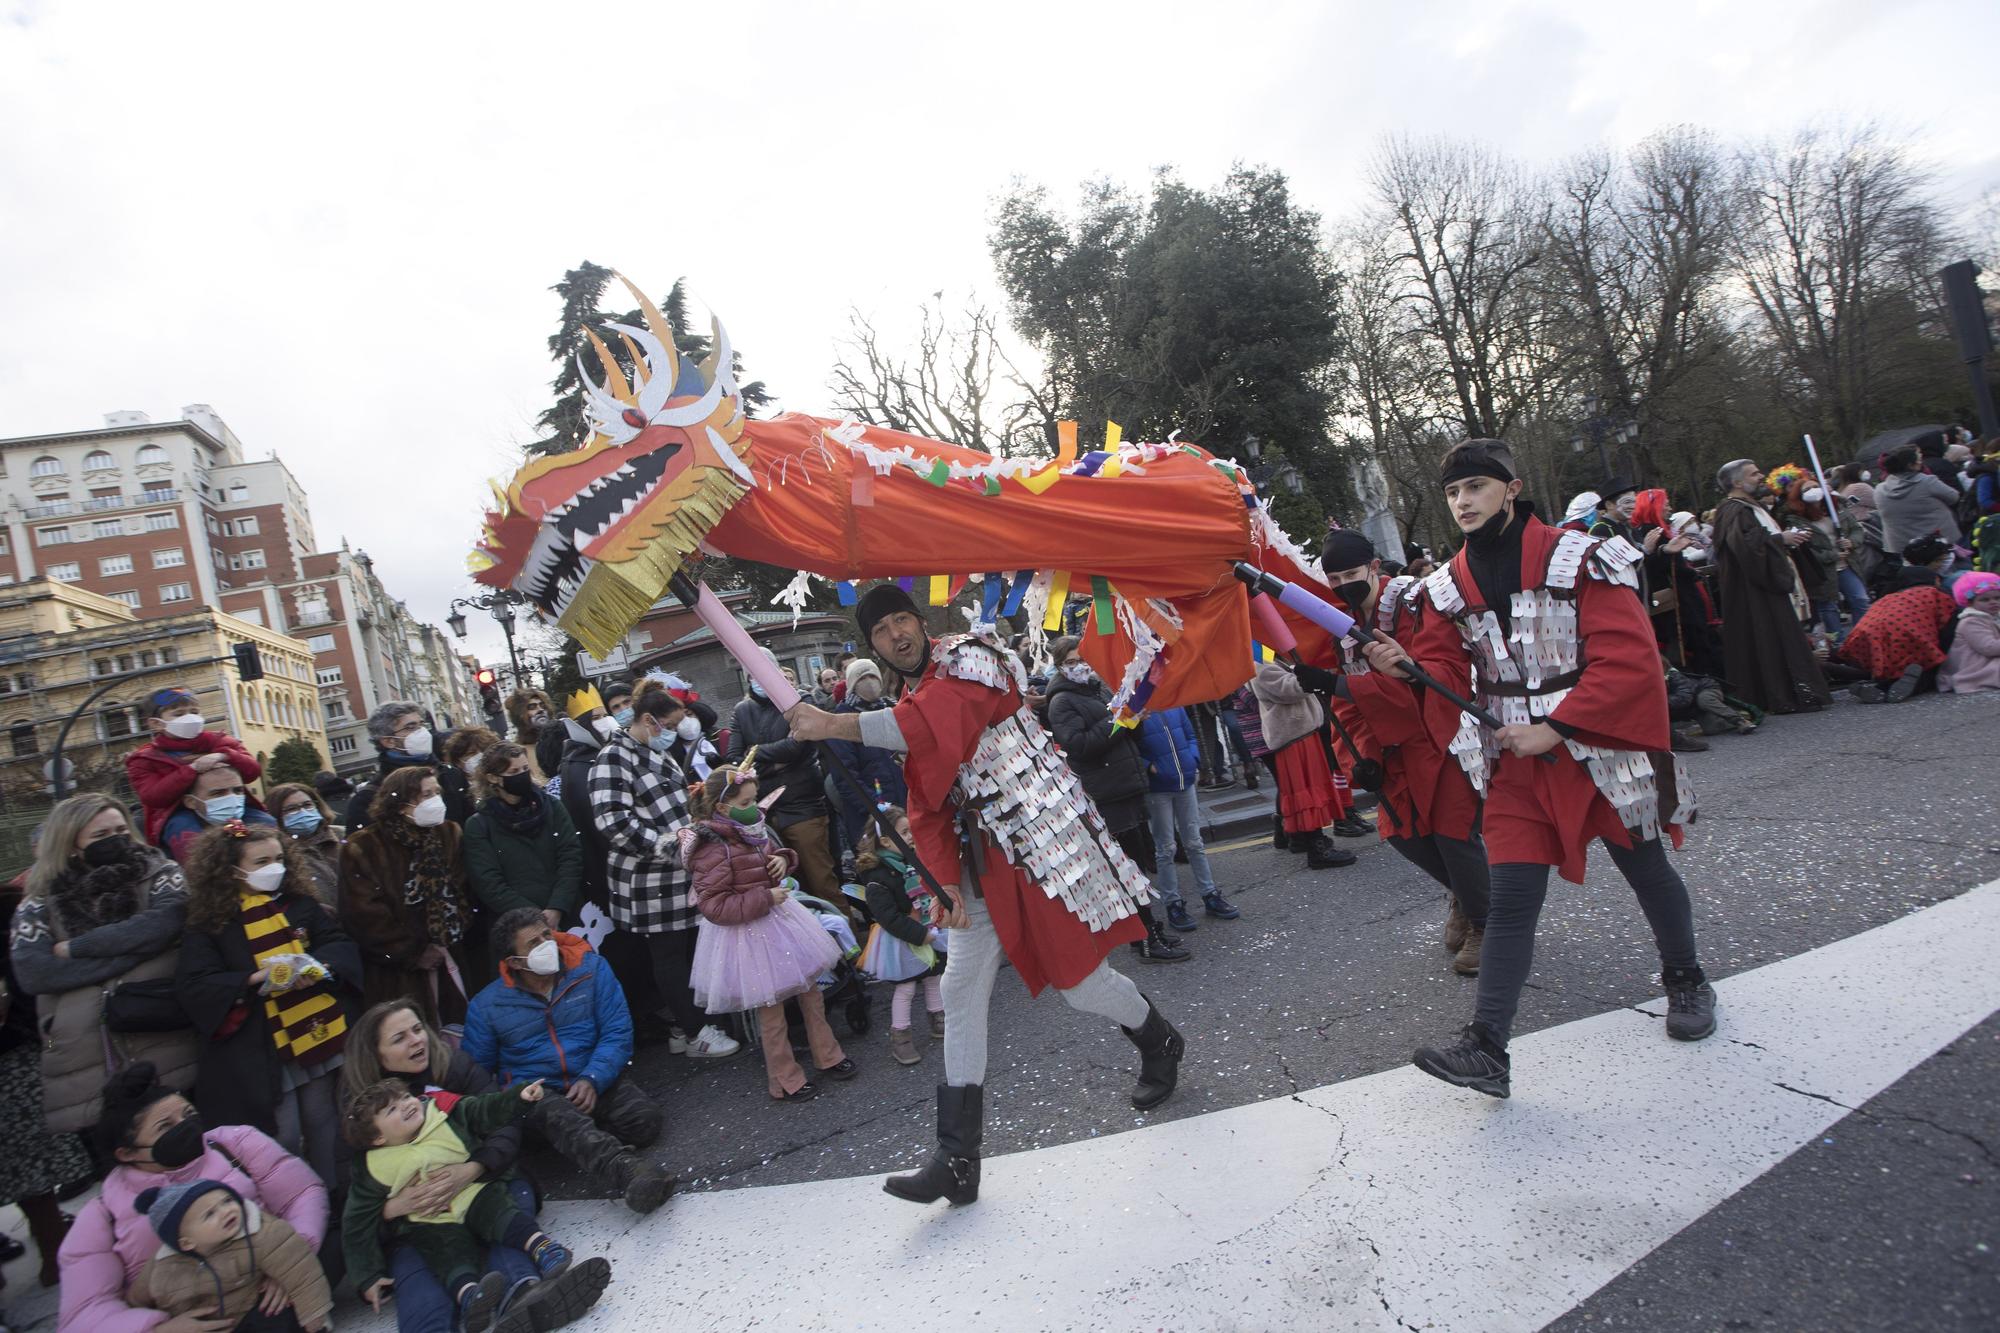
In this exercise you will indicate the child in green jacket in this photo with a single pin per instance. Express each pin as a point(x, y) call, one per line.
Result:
point(399, 1137)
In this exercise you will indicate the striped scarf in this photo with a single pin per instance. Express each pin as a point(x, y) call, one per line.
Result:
point(306, 1024)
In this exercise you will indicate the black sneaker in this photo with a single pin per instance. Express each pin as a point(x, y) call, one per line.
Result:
point(1471, 1063)
point(545, 1306)
point(1866, 692)
point(1906, 684)
point(1351, 827)
point(1690, 1011)
point(843, 1071)
point(1178, 918)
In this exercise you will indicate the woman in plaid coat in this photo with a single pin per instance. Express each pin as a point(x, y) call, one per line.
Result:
point(638, 800)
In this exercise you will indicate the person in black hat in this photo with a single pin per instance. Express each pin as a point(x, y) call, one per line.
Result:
point(962, 722)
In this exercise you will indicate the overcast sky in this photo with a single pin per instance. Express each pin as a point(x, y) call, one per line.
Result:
point(338, 227)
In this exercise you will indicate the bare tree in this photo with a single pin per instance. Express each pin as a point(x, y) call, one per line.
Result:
point(956, 384)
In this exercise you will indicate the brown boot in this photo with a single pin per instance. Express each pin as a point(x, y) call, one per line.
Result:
point(1466, 961)
point(1455, 925)
point(902, 1047)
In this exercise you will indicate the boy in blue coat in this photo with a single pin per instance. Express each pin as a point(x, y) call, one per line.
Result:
point(557, 1014)
point(1173, 765)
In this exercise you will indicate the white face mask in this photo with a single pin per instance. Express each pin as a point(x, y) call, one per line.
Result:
point(605, 727)
point(185, 727)
point(689, 729)
point(1079, 673)
point(545, 959)
point(428, 813)
point(417, 744)
point(471, 767)
point(266, 879)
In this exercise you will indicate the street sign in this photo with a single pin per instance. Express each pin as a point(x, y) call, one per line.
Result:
point(613, 662)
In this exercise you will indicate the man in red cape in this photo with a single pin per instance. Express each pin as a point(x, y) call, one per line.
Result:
point(1402, 738)
point(1550, 626)
point(1028, 868)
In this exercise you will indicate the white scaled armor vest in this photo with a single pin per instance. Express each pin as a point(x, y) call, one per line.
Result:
point(1522, 676)
point(1389, 608)
point(1029, 801)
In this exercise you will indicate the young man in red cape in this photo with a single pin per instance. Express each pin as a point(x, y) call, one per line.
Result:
point(1550, 626)
point(1398, 740)
point(1028, 869)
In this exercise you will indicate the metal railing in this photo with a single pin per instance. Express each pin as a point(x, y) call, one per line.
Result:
point(55, 510)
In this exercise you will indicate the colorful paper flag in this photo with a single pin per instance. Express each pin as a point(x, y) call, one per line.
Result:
point(1018, 591)
point(1058, 594)
point(1100, 596)
point(847, 593)
point(940, 589)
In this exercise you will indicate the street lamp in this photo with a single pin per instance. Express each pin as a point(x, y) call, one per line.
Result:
point(1595, 427)
point(501, 607)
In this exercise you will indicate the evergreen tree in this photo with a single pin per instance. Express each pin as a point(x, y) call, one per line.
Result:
point(295, 760)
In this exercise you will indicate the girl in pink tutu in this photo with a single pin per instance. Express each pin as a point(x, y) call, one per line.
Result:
point(903, 946)
point(757, 948)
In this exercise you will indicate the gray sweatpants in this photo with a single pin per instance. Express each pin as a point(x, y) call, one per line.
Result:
point(971, 967)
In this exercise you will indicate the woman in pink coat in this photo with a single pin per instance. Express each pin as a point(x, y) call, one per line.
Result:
point(1974, 660)
point(157, 1139)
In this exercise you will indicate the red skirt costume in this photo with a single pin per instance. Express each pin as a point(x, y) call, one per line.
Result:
point(1405, 730)
point(1548, 813)
point(1900, 631)
point(943, 720)
point(1309, 796)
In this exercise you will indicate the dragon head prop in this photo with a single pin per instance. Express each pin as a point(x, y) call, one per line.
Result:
point(591, 537)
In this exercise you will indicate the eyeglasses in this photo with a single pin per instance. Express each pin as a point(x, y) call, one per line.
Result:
point(409, 728)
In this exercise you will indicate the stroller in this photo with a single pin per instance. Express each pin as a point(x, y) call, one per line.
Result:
point(843, 984)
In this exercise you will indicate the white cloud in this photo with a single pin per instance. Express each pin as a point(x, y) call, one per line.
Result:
point(338, 226)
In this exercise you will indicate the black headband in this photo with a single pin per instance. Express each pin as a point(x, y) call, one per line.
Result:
point(1477, 458)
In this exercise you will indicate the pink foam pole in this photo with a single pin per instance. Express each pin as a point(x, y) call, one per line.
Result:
point(1272, 631)
point(744, 649)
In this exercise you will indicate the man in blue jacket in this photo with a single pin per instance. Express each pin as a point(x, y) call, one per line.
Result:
point(557, 1014)
point(1173, 765)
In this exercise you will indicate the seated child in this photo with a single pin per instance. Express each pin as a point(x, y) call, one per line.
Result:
point(164, 769)
point(397, 1137)
point(216, 1249)
point(902, 945)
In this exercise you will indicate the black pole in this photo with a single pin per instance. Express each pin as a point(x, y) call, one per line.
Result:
point(123, 677)
point(683, 588)
point(507, 628)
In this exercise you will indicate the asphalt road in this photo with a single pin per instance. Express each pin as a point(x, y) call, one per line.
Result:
point(1813, 829)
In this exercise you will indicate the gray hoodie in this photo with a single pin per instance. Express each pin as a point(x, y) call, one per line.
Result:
point(1913, 505)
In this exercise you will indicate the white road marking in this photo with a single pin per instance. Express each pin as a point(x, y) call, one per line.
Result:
point(1383, 1202)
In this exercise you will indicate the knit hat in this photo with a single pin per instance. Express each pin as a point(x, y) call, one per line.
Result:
point(860, 667)
point(166, 1205)
point(1345, 549)
point(1971, 585)
point(879, 603)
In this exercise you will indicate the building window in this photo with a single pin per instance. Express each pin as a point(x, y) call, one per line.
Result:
point(52, 536)
point(238, 493)
point(176, 592)
point(100, 666)
point(97, 460)
point(48, 465)
point(69, 571)
point(336, 710)
point(332, 676)
point(115, 564)
point(130, 598)
point(214, 527)
point(157, 495)
point(152, 456)
point(173, 559)
point(108, 527)
point(164, 521)
point(3, 543)
point(21, 735)
point(117, 722)
point(169, 655)
point(254, 614)
point(253, 560)
point(246, 526)
point(320, 643)
point(341, 745)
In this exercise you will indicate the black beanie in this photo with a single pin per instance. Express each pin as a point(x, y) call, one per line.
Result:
point(1345, 549)
point(879, 602)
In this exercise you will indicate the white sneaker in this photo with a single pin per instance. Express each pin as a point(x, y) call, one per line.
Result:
point(712, 1043)
point(677, 1042)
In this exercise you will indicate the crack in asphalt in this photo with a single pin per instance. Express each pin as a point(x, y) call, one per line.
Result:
point(732, 1170)
point(1985, 1149)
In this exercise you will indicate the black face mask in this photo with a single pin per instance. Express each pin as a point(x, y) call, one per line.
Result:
point(1488, 534)
point(180, 1145)
point(107, 851)
point(520, 785)
point(1355, 594)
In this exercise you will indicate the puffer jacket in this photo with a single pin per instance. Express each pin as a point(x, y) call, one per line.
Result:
point(1287, 709)
point(732, 885)
point(1106, 758)
point(781, 761)
point(508, 869)
point(112, 1240)
point(78, 1053)
point(1173, 755)
point(228, 1280)
point(583, 1030)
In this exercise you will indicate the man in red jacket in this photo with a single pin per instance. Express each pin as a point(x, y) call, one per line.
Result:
point(1026, 863)
point(1550, 627)
point(1402, 738)
point(164, 769)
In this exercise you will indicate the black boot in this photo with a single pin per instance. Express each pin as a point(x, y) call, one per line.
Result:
point(640, 1180)
point(1158, 946)
point(1160, 1050)
point(953, 1170)
point(1321, 854)
point(1278, 838)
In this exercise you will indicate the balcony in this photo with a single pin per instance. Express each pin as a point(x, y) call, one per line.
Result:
point(57, 510)
point(163, 496)
point(100, 502)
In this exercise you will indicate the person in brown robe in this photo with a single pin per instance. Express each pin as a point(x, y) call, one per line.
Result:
point(1770, 660)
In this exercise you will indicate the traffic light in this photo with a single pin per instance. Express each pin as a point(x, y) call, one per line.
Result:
point(249, 663)
point(486, 677)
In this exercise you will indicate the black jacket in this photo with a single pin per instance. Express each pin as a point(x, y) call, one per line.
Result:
point(1107, 759)
point(781, 762)
point(451, 785)
point(579, 753)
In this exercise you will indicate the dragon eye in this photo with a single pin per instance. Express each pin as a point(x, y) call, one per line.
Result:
point(634, 418)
